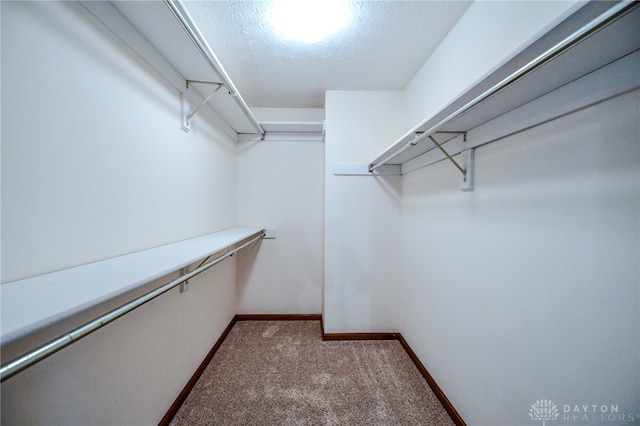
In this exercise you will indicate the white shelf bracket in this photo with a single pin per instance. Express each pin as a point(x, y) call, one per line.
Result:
point(185, 113)
point(466, 168)
point(468, 161)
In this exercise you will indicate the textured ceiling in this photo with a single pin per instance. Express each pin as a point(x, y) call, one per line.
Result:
point(384, 46)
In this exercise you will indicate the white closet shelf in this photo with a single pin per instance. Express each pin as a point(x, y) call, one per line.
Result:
point(33, 304)
point(136, 23)
point(613, 39)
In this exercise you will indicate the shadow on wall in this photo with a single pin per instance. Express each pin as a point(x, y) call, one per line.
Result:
point(361, 252)
point(391, 185)
point(282, 275)
point(78, 40)
point(246, 260)
point(347, 285)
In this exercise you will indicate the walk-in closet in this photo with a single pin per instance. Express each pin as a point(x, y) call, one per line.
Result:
point(429, 216)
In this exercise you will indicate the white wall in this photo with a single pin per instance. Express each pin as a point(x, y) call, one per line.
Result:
point(280, 185)
point(361, 213)
point(487, 36)
point(94, 165)
point(528, 287)
point(507, 292)
point(130, 371)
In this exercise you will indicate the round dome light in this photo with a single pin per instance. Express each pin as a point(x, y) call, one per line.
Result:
point(309, 21)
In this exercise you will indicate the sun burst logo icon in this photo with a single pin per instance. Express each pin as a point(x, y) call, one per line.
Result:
point(543, 409)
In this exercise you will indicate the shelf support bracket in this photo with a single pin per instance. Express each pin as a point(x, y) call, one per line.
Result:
point(468, 158)
point(455, 163)
point(186, 115)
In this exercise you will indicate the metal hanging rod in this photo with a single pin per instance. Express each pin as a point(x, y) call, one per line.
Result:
point(180, 12)
point(577, 36)
point(25, 361)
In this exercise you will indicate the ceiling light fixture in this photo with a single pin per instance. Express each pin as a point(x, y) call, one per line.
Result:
point(309, 21)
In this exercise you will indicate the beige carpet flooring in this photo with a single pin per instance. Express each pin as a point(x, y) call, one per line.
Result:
point(282, 373)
